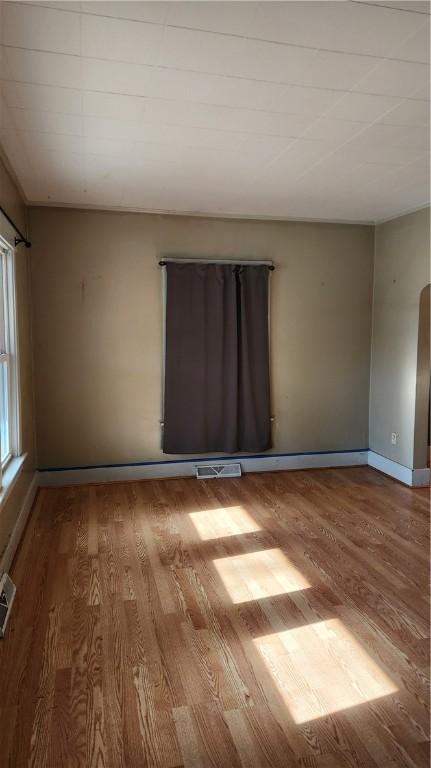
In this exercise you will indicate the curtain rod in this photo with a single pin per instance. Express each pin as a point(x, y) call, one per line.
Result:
point(21, 238)
point(250, 263)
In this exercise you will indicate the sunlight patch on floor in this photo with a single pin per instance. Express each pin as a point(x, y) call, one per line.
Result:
point(257, 575)
point(223, 521)
point(320, 669)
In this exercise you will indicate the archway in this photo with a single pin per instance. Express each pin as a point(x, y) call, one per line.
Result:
point(422, 407)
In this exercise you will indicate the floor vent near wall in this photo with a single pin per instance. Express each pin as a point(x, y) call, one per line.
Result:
point(7, 596)
point(218, 470)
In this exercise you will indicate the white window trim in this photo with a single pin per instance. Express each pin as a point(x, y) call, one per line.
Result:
point(10, 476)
point(12, 356)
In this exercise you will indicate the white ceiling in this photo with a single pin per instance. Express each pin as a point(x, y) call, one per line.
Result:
point(315, 110)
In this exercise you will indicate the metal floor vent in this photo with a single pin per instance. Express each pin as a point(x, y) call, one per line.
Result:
point(217, 470)
point(7, 596)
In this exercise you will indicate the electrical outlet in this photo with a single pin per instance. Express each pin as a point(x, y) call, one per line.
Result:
point(394, 438)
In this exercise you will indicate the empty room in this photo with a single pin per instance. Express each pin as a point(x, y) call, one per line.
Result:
point(214, 384)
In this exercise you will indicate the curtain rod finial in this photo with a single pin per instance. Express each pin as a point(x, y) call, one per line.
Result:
point(19, 240)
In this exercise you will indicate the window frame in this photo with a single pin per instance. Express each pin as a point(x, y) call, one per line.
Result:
point(9, 355)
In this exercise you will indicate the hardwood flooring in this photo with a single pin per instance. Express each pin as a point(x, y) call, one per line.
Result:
point(280, 620)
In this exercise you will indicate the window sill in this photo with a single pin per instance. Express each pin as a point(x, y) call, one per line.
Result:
point(10, 475)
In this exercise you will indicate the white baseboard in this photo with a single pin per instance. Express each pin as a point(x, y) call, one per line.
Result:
point(267, 463)
point(411, 477)
point(18, 529)
point(421, 477)
point(389, 467)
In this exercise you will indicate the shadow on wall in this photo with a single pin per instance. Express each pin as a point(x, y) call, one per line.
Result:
point(423, 373)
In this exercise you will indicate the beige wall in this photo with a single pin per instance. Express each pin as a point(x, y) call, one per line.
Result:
point(402, 270)
point(12, 202)
point(97, 328)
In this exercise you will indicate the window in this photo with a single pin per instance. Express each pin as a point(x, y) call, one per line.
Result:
point(9, 428)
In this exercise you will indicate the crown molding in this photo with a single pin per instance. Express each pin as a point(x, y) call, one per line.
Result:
point(6, 162)
point(405, 212)
point(198, 214)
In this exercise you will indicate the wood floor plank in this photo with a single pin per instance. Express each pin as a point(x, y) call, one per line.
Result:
point(60, 752)
point(280, 619)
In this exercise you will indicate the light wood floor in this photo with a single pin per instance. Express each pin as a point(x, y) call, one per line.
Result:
point(277, 620)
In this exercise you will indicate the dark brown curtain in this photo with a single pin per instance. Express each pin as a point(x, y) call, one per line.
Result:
point(217, 359)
